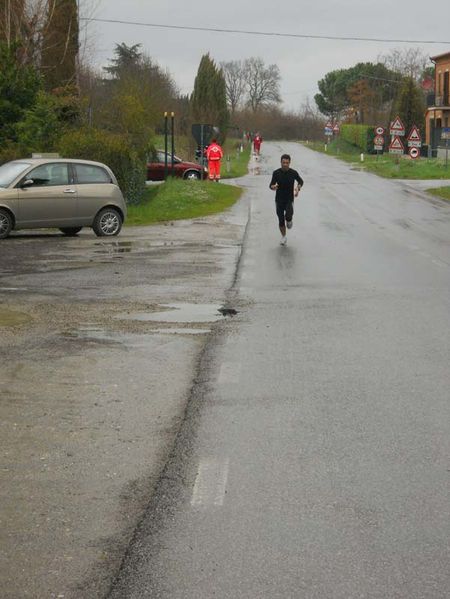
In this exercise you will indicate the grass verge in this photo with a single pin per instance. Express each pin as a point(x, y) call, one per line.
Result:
point(235, 163)
point(178, 199)
point(440, 192)
point(386, 165)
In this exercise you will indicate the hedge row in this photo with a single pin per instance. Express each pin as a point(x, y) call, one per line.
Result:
point(113, 150)
point(361, 136)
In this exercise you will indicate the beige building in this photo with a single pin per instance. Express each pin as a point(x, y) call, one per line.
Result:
point(438, 111)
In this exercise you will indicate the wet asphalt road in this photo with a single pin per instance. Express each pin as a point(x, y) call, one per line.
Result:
point(314, 461)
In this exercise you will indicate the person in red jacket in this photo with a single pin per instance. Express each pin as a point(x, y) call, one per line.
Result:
point(214, 155)
point(257, 141)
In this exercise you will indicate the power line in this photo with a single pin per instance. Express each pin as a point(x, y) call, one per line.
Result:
point(267, 33)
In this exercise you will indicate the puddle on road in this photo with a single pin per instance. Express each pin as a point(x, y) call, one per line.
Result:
point(11, 318)
point(118, 247)
point(180, 313)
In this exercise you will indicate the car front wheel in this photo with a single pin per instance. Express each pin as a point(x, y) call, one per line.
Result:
point(6, 223)
point(70, 231)
point(192, 175)
point(107, 223)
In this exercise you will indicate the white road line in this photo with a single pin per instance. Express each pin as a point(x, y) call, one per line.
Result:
point(211, 482)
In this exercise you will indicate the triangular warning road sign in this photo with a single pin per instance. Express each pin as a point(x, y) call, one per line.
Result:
point(397, 125)
point(396, 144)
point(414, 134)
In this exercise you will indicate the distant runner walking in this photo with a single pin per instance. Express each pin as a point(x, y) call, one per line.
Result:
point(257, 141)
point(283, 180)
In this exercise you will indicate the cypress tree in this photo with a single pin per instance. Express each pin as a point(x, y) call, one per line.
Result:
point(60, 44)
point(410, 105)
point(209, 100)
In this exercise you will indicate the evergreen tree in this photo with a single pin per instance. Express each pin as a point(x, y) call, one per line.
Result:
point(410, 105)
point(19, 86)
point(337, 88)
point(60, 44)
point(127, 60)
point(40, 127)
point(209, 99)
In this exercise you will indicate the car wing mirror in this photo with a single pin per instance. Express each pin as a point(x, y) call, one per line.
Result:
point(27, 183)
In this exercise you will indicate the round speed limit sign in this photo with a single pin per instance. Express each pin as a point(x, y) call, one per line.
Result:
point(379, 130)
point(414, 152)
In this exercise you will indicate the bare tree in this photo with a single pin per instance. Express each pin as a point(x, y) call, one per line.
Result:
point(263, 83)
point(12, 14)
point(25, 21)
point(235, 82)
point(410, 62)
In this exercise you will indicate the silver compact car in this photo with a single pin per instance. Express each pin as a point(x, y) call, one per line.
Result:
point(61, 193)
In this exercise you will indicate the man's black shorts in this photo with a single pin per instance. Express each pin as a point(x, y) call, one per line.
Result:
point(285, 211)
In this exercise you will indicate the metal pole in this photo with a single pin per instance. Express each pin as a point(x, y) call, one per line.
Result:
point(172, 117)
point(446, 153)
point(165, 146)
point(202, 162)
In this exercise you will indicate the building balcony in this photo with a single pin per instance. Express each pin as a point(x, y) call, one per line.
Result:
point(437, 101)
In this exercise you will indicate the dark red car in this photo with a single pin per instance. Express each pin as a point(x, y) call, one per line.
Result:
point(181, 168)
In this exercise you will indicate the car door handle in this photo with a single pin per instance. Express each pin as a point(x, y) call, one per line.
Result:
point(69, 191)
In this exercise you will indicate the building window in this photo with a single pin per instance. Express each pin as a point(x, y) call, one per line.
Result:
point(446, 99)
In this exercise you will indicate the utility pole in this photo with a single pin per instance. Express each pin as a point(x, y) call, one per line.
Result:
point(172, 117)
point(165, 146)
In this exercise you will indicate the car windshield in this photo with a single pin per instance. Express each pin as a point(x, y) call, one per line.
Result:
point(10, 171)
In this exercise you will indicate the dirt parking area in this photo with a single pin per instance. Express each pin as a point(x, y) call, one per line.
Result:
point(94, 383)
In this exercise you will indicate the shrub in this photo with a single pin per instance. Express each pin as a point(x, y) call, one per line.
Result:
point(361, 136)
point(9, 151)
point(39, 128)
point(113, 150)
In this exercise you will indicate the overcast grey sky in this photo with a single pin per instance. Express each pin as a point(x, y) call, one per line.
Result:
point(302, 62)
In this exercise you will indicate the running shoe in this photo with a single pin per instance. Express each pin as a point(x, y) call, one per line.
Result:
point(289, 224)
point(283, 240)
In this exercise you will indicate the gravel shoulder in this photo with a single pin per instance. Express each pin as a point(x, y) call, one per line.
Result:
point(94, 392)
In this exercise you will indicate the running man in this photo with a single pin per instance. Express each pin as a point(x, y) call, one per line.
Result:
point(282, 182)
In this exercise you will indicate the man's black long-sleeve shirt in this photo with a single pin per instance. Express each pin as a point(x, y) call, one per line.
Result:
point(285, 180)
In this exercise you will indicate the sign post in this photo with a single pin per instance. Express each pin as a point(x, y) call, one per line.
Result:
point(378, 141)
point(396, 130)
point(202, 133)
point(328, 133)
point(445, 134)
point(336, 131)
point(172, 118)
point(165, 146)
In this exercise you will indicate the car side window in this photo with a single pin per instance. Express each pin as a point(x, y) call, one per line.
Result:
point(161, 157)
point(49, 174)
point(87, 173)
